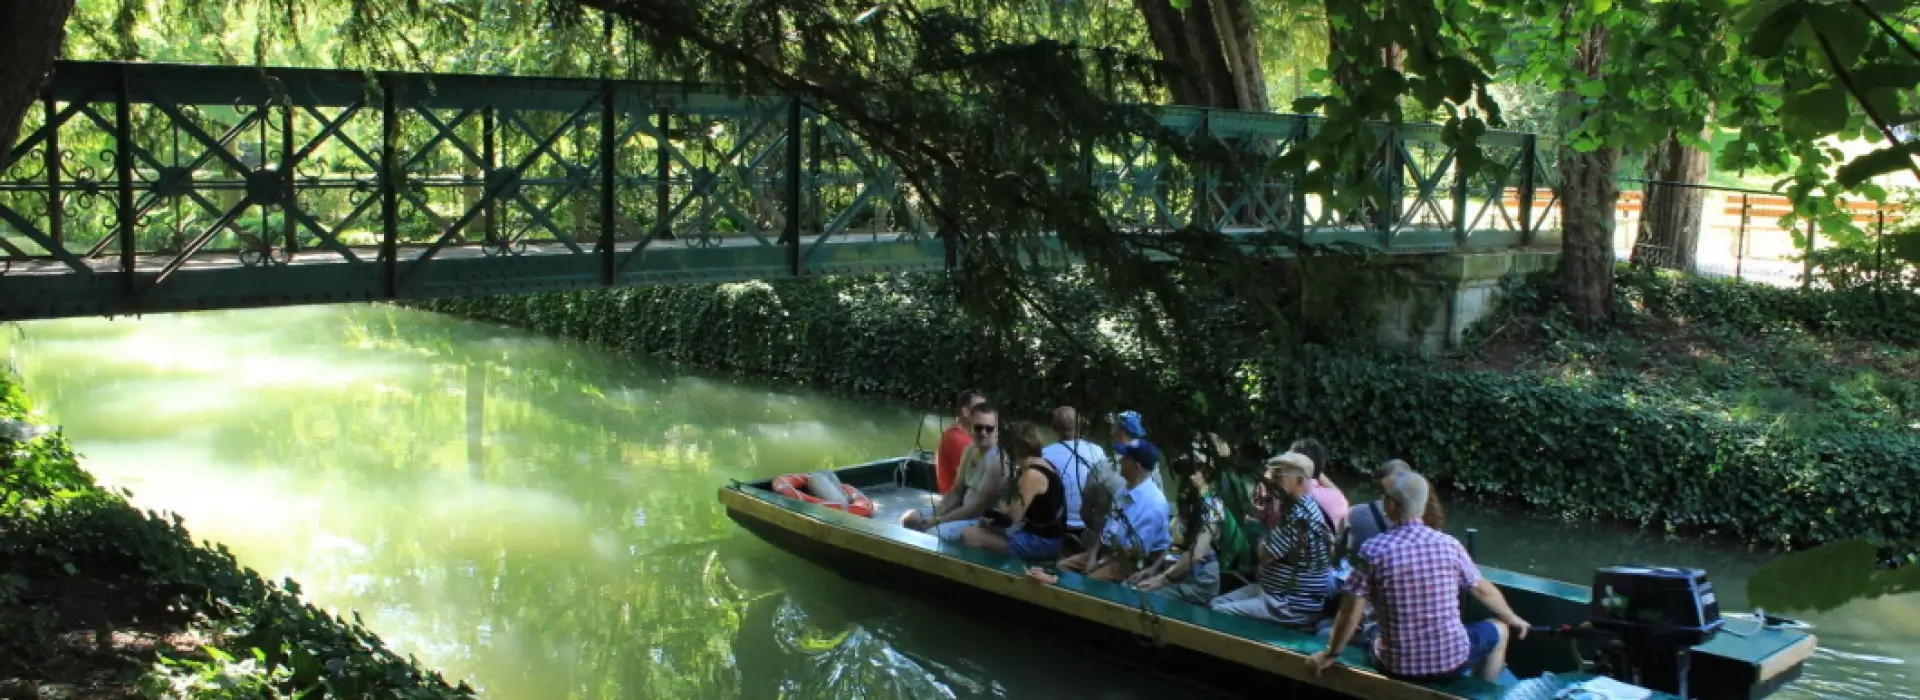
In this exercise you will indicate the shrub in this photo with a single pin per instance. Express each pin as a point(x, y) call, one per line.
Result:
point(58, 529)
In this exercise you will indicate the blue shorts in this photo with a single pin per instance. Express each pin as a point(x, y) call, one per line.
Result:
point(1482, 638)
point(1032, 547)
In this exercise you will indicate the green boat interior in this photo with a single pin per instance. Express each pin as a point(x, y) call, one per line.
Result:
point(1740, 657)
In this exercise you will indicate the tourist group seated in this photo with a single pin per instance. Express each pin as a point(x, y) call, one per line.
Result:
point(1319, 564)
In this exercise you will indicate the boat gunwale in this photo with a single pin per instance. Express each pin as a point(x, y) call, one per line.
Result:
point(1116, 607)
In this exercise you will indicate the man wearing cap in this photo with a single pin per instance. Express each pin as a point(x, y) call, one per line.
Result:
point(1296, 556)
point(1140, 533)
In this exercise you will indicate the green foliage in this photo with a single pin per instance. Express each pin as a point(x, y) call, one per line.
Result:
point(1852, 311)
point(1560, 446)
point(1576, 452)
point(1808, 361)
point(58, 530)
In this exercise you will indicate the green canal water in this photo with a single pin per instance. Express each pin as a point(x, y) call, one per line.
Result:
point(537, 517)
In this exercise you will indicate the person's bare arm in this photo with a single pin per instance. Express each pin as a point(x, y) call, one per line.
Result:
point(1345, 623)
point(1202, 545)
point(1489, 595)
point(978, 501)
point(1031, 484)
point(950, 500)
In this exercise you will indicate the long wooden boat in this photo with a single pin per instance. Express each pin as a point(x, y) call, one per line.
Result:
point(1232, 654)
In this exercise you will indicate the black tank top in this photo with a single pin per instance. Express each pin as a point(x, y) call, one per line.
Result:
point(1046, 516)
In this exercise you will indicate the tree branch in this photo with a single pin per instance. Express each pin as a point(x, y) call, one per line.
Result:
point(1846, 79)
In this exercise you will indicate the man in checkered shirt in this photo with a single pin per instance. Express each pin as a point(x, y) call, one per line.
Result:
point(1414, 575)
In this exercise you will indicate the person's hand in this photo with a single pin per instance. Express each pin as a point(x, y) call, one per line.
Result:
point(912, 521)
point(1152, 582)
point(1320, 661)
point(1517, 624)
point(1038, 574)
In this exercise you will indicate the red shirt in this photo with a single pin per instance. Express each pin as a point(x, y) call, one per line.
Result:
point(946, 462)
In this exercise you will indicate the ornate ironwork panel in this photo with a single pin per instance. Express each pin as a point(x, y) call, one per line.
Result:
point(152, 187)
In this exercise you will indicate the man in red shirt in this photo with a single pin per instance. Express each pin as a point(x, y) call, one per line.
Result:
point(954, 442)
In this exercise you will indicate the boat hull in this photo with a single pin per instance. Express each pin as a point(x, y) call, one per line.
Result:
point(1224, 653)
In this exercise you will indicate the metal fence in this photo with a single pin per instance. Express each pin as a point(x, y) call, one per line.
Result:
point(1741, 236)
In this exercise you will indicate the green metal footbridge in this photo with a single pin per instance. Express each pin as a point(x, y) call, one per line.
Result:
point(142, 188)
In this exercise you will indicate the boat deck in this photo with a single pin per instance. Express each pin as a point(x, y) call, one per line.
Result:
point(891, 501)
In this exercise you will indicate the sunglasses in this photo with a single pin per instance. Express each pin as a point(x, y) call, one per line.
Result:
point(984, 429)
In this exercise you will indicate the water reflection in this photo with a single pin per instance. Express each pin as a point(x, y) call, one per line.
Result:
point(534, 516)
point(538, 517)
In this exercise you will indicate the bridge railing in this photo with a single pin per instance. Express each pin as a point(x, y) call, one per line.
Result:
point(156, 175)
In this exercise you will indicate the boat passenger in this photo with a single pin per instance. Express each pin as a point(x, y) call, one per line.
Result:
point(983, 475)
point(1194, 576)
point(1371, 519)
point(1268, 508)
point(953, 442)
point(1129, 430)
point(1332, 501)
point(1296, 556)
point(1139, 535)
point(1089, 481)
point(1416, 573)
point(1031, 525)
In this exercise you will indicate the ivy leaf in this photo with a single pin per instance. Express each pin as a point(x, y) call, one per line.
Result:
point(1179, 4)
point(1592, 88)
point(1769, 37)
point(1877, 162)
point(1887, 76)
point(1816, 112)
point(1844, 29)
point(1904, 245)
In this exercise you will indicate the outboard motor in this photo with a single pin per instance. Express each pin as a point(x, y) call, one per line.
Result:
point(1657, 614)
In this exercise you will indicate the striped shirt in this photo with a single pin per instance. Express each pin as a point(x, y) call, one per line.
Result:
point(1299, 576)
point(1414, 575)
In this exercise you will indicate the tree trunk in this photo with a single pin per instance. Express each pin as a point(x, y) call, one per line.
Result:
point(1197, 72)
point(30, 36)
point(1587, 197)
point(1233, 21)
point(1670, 214)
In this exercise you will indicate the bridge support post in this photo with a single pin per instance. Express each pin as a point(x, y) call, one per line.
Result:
point(1529, 151)
point(795, 132)
point(607, 124)
point(1453, 292)
point(1459, 193)
point(123, 173)
point(389, 188)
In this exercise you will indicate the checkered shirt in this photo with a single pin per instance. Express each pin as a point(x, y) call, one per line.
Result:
point(1413, 577)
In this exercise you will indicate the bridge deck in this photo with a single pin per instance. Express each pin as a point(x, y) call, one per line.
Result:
point(126, 165)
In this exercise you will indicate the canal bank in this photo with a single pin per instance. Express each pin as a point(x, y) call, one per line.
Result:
point(1571, 447)
point(98, 598)
point(536, 516)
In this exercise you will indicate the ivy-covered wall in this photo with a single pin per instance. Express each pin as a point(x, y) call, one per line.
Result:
point(1555, 446)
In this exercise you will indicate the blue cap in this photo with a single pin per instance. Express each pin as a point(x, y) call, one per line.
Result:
point(1142, 452)
point(1129, 421)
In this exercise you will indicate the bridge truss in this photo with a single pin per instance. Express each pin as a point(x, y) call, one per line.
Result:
point(143, 188)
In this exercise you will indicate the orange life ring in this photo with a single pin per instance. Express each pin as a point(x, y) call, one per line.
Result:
point(794, 486)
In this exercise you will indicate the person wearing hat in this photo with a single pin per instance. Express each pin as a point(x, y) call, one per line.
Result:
point(1129, 430)
point(1140, 534)
point(1296, 556)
